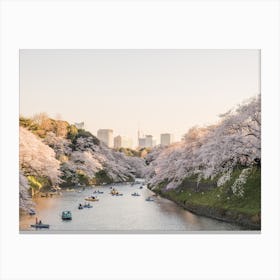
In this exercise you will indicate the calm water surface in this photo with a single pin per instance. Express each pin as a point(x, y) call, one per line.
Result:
point(118, 213)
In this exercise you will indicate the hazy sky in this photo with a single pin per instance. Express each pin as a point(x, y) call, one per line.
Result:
point(160, 91)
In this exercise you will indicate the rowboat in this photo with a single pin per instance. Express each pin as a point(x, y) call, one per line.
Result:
point(99, 192)
point(66, 215)
point(113, 192)
point(32, 212)
point(40, 225)
point(135, 194)
point(91, 198)
point(87, 205)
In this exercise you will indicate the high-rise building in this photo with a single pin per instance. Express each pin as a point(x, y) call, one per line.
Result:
point(149, 141)
point(117, 142)
point(166, 139)
point(142, 142)
point(146, 142)
point(106, 136)
point(122, 142)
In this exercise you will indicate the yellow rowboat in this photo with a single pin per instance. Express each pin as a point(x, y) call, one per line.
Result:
point(91, 199)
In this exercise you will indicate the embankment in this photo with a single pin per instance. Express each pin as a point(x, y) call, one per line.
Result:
point(219, 202)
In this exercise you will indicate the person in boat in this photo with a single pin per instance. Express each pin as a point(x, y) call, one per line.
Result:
point(93, 197)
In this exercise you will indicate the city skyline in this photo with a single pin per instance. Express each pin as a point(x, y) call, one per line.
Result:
point(112, 140)
point(156, 91)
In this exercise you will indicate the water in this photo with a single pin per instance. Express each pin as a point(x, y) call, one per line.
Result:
point(118, 213)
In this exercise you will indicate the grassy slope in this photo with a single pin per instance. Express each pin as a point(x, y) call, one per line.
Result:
point(222, 198)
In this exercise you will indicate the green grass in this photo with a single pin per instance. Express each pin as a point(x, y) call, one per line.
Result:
point(222, 197)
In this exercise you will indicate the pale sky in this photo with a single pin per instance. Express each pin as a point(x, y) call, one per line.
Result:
point(160, 91)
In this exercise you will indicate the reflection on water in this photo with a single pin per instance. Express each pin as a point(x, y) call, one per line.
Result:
point(191, 218)
point(117, 213)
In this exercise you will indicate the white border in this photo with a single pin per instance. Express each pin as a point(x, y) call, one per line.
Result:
point(155, 24)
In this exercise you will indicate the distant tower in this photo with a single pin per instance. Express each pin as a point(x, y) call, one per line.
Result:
point(117, 142)
point(149, 141)
point(142, 142)
point(138, 132)
point(146, 142)
point(106, 136)
point(166, 139)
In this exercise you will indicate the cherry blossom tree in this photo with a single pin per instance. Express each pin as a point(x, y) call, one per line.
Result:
point(36, 158)
point(25, 202)
point(211, 151)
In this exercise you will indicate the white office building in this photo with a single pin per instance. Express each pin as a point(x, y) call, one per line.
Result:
point(146, 142)
point(166, 139)
point(149, 141)
point(142, 142)
point(122, 142)
point(106, 136)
